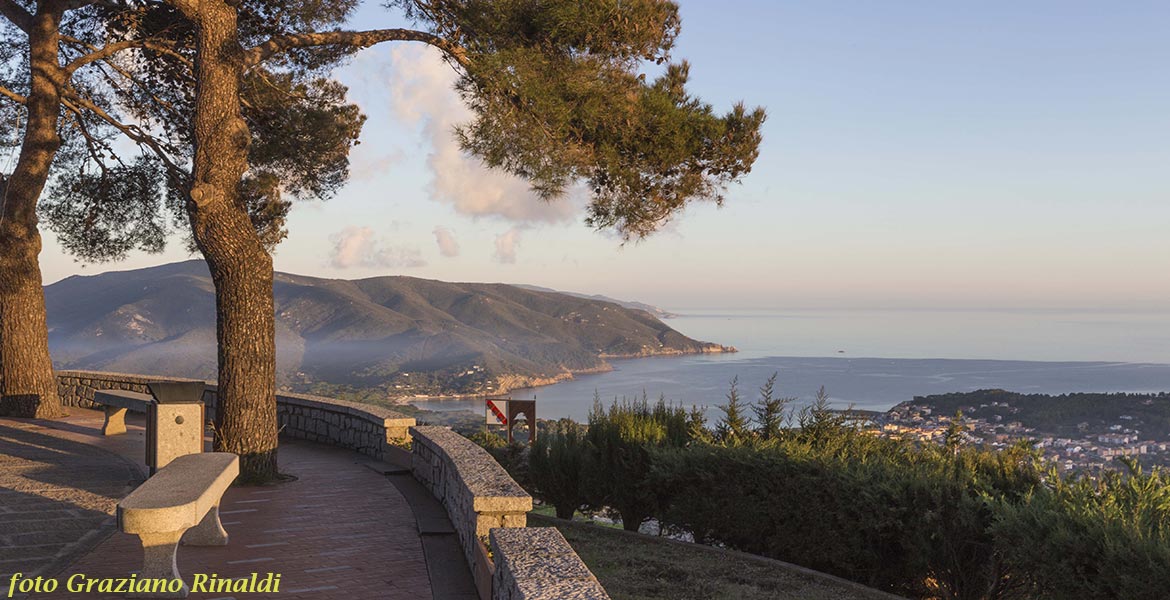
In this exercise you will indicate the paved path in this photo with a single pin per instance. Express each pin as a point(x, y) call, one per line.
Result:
point(57, 496)
point(340, 531)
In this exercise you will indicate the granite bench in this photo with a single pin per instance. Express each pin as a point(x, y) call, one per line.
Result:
point(116, 403)
point(180, 502)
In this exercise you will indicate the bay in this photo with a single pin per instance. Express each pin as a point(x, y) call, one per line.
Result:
point(875, 359)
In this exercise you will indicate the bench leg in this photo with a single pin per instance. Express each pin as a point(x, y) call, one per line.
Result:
point(159, 561)
point(209, 531)
point(115, 421)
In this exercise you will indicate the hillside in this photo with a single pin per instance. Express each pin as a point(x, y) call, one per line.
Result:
point(406, 334)
point(1069, 415)
point(650, 308)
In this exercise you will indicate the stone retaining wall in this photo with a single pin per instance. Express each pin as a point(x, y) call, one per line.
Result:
point(370, 430)
point(77, 387)
point(537, 563)
point(477, 492)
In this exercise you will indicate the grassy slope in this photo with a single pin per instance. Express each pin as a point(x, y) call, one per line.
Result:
point(638, 567)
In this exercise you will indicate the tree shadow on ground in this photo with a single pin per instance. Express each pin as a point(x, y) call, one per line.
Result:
point(57, 498)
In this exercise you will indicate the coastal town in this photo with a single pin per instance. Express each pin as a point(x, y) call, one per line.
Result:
point(1091, 447)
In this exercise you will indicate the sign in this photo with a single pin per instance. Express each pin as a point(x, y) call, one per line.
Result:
point(493, 414)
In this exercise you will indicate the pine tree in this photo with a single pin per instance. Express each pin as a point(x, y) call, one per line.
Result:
point(733, 427)
point(769, 411)
point(557, 91)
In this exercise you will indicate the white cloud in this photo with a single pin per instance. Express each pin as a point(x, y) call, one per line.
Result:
point(506, 244)
point(448, 245)
point(359, 247)
point(422, 93)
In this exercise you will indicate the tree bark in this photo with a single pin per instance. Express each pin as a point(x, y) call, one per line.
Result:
point(28, 387)
point(240, 266)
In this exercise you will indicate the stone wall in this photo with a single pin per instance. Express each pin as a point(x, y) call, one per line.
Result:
point(370, 430)
point(477, 492)
point(77, 387)
point(537, 563)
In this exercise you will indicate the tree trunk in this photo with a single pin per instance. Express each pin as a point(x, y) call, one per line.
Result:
point(240, 266)
point(565, 511)
point(632, 520)
point(28, 387)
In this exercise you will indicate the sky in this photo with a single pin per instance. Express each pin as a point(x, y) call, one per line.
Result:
point(916, 155)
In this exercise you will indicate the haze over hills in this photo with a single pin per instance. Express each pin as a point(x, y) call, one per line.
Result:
point(650, 308)
point(407, 334)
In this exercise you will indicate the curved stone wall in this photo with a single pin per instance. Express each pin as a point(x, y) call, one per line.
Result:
point(364, 428)
point(477, 492)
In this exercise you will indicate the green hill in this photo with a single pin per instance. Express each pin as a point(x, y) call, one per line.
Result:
point(406, 334)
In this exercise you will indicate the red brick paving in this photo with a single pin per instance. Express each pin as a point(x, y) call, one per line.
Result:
point(340, 531)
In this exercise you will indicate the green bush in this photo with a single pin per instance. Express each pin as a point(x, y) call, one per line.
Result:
point(556, 464)
point(1106, 537)
point(908, 520)
point(617, 466)
point(945, 522)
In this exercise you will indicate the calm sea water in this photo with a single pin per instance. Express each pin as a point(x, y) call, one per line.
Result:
point(875, 359)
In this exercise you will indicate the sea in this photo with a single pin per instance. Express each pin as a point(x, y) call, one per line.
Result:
point(874, 359)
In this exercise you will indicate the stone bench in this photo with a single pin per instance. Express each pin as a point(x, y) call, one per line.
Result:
point(182, 498)
point(116, 403)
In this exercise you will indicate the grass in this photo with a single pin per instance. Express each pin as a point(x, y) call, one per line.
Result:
point(641, 567)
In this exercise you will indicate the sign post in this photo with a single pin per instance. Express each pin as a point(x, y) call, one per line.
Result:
point(503, 411)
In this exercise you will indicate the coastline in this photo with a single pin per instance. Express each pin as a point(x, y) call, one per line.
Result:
point(509, 382)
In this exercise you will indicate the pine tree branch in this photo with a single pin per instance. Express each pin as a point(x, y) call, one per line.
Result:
point(109, 50)
point(16, 14)
point(359, 39)
point(11, 95)
point(73, 101)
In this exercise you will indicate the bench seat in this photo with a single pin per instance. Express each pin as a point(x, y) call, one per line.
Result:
point(180, 502)
point(116, 403)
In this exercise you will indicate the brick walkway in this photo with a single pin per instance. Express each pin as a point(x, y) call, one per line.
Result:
point(340, 531)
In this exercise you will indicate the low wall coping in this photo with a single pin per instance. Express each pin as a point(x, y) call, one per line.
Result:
point(537, 563)
point(136, 377)
point(385, 416)
point(493, 490)
point(378, 414)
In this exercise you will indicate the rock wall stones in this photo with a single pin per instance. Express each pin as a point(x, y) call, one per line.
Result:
point(537, 563)
point(477, 492)
point(370, 430)
point(77, 387)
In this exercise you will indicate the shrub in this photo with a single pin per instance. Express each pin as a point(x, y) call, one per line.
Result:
point(1092, 538)
point(617, 468)
point(883, 512)
point(555, 467)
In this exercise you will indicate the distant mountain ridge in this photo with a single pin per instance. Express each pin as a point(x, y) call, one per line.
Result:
point(409, 335)
point(650, 308)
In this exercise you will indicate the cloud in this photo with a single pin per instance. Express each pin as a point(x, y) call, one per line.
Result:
point(448, 246)
point(358, 247)
point(422, 93)
point(506, 244)
point(367, 165)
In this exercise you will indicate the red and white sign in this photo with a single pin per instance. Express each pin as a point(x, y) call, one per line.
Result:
point(495, 411)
